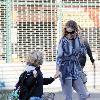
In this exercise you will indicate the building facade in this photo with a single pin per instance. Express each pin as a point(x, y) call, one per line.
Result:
point(38, 24)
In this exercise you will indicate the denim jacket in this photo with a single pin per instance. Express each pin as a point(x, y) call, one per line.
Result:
point(67, 57)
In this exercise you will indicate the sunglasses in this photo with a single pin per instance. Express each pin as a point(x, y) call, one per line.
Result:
point(70, 32)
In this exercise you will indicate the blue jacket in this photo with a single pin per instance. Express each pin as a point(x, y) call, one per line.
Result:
point(67, 57)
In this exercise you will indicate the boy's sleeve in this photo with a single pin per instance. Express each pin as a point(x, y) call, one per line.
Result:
point(47, 81)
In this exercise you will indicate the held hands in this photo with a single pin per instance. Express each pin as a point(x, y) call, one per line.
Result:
point(58, 73)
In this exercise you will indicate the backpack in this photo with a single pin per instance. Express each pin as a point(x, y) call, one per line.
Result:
point(27, 83)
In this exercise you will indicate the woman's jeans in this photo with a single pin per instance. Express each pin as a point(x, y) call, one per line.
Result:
point(68, 85)
point(35, 98)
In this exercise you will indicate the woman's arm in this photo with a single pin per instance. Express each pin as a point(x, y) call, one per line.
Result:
point(59, 59)
point(59, 54)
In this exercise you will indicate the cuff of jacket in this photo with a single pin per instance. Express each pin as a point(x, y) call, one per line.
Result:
point(52, 79)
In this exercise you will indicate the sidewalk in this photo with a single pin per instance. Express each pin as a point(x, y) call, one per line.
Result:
point(94, 96)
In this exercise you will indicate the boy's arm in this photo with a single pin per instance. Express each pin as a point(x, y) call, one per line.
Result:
point(47, 81)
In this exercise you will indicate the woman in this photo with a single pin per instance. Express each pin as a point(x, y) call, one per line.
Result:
point(67, 63)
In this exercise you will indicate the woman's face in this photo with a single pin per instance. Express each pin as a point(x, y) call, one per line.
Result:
point(71, 34)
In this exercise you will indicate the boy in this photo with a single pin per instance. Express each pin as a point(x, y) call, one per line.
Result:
point(34, 84)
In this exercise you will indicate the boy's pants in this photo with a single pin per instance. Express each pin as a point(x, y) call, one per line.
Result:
point(69, 84)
